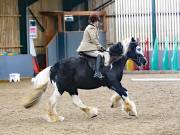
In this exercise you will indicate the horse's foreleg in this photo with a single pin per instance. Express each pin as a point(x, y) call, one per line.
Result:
point(116, 100)
point(91, 111)
point(52, 115)
point(128, 105)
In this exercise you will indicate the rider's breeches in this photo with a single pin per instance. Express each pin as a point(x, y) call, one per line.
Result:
point(93, 53)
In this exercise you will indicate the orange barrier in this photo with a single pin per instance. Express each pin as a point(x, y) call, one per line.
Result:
point(130, 65)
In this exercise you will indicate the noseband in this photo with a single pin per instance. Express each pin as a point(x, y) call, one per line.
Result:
point(137, 59)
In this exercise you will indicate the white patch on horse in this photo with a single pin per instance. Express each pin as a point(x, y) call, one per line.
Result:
point(91, 111)
point(52, 114)
point(41, 78)
point(55, 95)
point(139, 51)
point(111, 66)
point(125, 44)
point(77, 101)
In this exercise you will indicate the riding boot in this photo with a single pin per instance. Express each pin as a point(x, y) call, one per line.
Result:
point(99, 61)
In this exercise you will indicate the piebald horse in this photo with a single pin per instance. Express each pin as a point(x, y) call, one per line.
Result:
point(71, 74)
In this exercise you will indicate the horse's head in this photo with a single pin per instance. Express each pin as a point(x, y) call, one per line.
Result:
point(135, 53)
point(128, 48)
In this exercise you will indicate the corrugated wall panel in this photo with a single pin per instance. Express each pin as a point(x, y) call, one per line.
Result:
point(9, 26)
point(110, 24)
point(167, 15)
point(110, 10)
point(134, 18)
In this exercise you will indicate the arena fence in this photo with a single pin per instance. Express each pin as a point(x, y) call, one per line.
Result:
point(148, 19)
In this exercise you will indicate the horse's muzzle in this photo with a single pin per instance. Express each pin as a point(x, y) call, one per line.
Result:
point(143, 61)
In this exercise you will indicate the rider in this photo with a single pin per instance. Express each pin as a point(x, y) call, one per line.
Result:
point(90, 44)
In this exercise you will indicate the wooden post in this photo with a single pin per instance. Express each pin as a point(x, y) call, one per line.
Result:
point(60, 23)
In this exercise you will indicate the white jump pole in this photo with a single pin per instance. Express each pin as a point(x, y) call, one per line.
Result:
point(116, 19)
point(155, 79)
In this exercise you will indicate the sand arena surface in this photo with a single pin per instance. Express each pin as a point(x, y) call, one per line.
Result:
point(158, 106)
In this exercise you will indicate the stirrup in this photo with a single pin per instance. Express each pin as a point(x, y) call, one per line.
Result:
point(98, 75)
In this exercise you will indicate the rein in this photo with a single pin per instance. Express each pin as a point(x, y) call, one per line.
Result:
point(116, 59)
point(137, 59)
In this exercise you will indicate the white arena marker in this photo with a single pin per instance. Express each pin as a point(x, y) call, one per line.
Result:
point(155, 79)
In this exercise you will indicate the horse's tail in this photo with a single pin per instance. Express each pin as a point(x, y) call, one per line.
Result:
point(40, 84)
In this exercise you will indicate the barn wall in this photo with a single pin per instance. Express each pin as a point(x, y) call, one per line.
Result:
point(135, 19)
point(43, 5)
point(9, 23)
point(95, 3)
point(9, 26)
point(110, 34)
point(79, 7)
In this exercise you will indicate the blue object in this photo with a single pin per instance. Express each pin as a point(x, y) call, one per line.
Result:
point(154, 57)
point(174, 58)
point(165, 64)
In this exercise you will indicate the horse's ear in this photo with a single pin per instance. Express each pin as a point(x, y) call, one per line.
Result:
point(132, 39)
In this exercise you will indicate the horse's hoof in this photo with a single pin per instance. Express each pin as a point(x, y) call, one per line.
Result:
point(93, 112)
point(114, 106)
point(54, 119)
point(61, 118)
point(94, 116)
point(132, 114)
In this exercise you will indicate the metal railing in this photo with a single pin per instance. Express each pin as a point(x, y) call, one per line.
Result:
point(135, 18)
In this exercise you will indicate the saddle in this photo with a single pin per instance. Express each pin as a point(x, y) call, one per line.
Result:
point(91, 61)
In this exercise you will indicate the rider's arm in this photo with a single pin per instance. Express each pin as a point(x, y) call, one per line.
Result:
point(94, 37)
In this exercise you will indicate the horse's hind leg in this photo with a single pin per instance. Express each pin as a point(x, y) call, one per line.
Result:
point(91, 111)
point(52, 115)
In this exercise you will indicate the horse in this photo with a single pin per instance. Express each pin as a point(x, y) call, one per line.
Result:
point(71, 74)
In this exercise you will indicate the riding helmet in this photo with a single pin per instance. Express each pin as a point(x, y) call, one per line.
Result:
point(94, 17)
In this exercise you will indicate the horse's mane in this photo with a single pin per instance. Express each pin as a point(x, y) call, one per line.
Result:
point(125, 44)
point(121, 48)
point(116, 49)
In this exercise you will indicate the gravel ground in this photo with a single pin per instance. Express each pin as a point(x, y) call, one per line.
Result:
point(158, 106)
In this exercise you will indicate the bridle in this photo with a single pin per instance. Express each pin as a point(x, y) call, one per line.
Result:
point(137, 58)
point(115, 59)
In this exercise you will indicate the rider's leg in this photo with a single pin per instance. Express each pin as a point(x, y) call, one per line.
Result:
point(99, 62)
